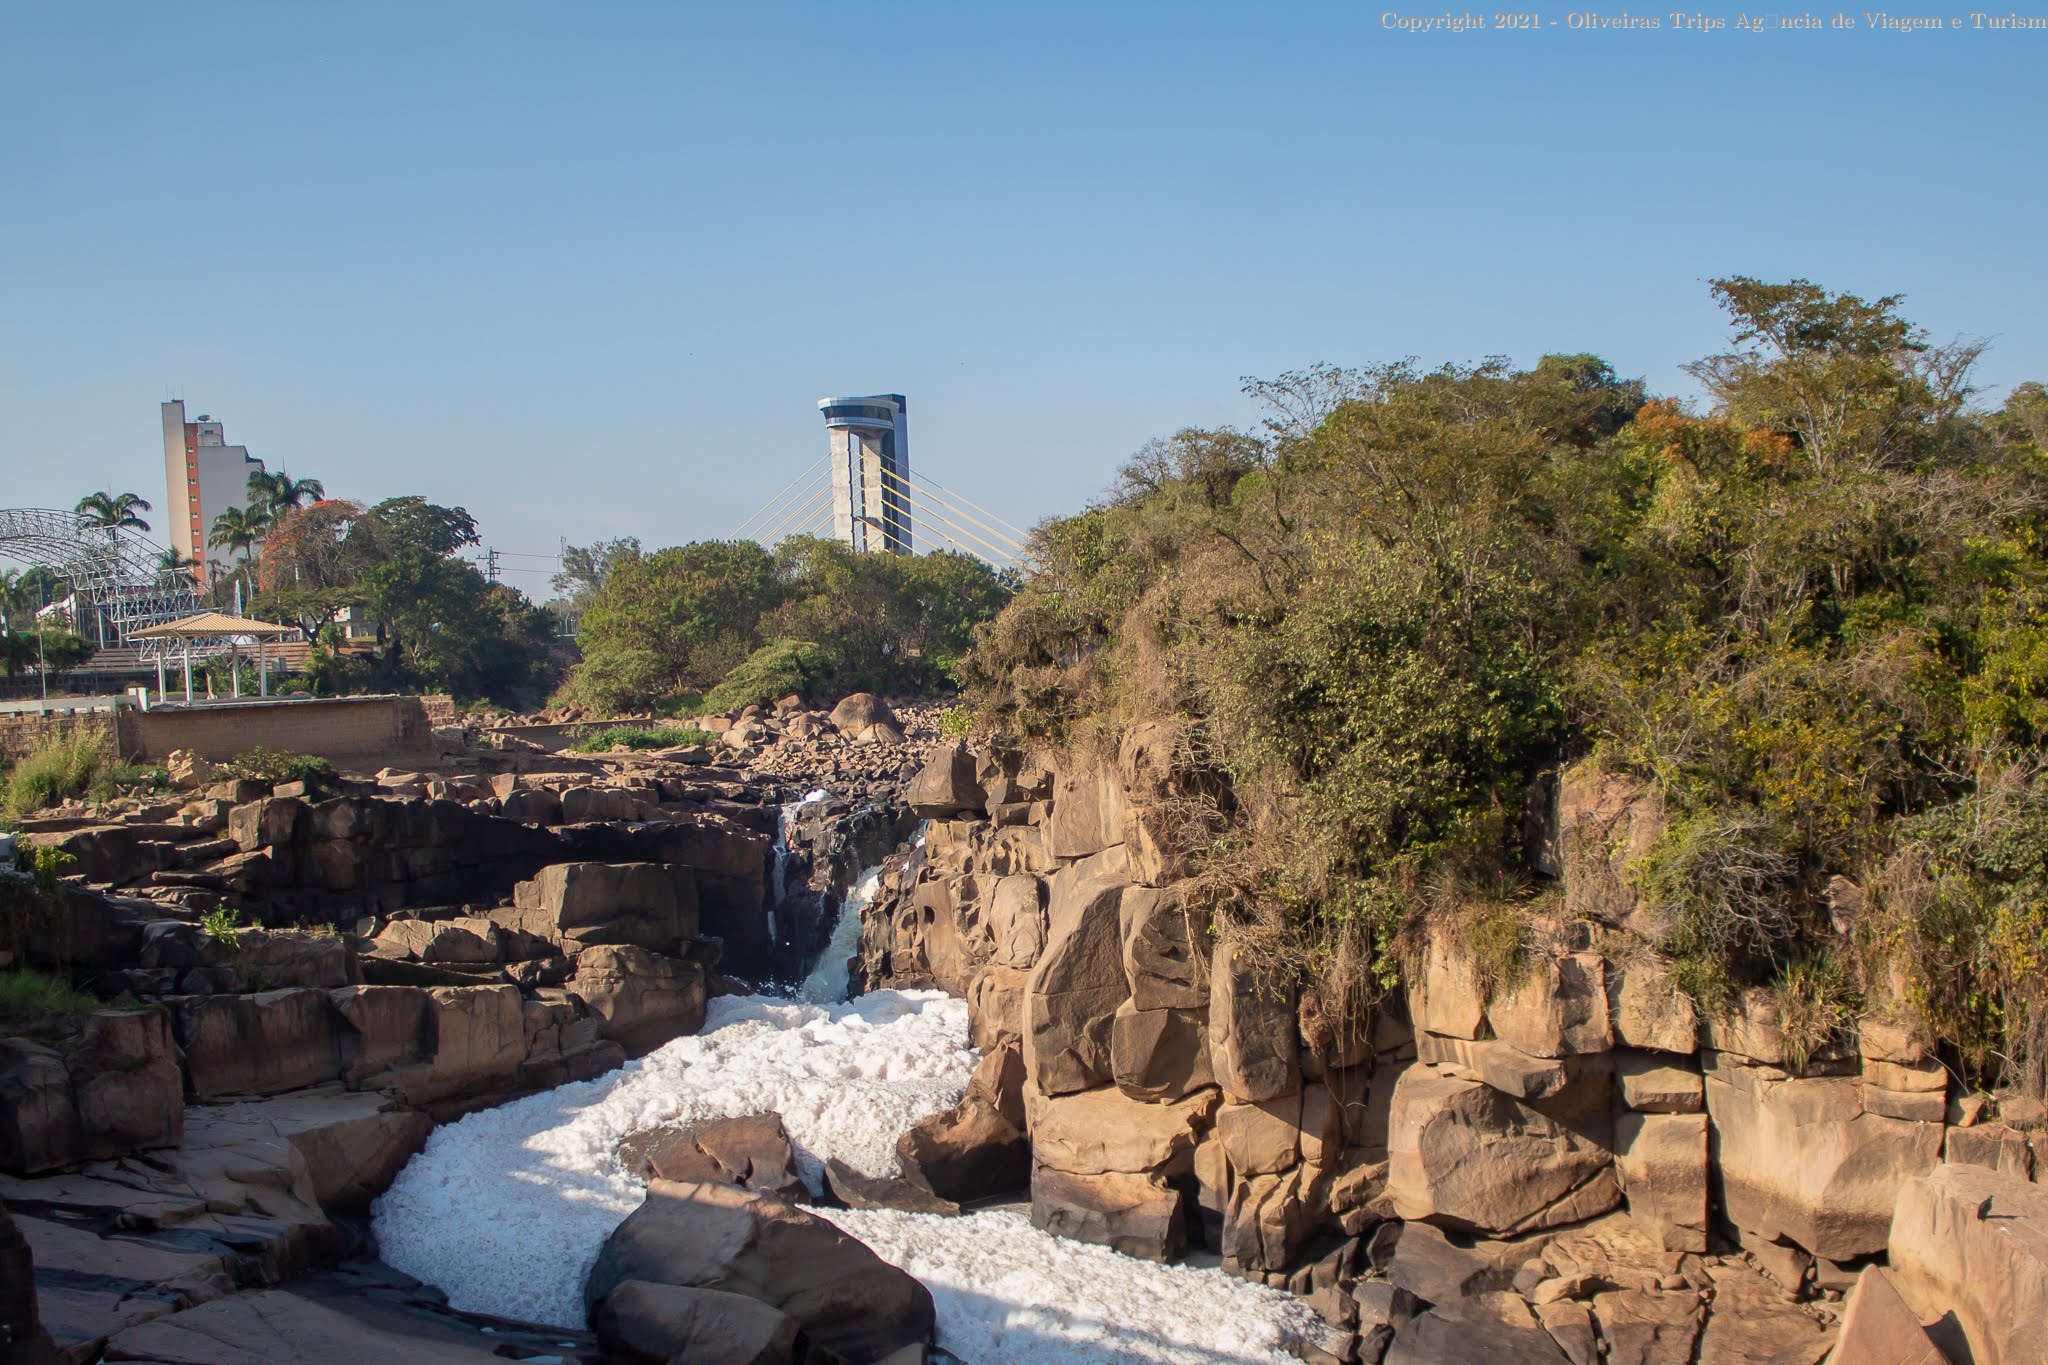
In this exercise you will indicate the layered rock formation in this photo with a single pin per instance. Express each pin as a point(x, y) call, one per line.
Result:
point(1611, 1169)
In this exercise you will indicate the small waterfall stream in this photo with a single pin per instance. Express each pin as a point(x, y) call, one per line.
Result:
point(506, 1209)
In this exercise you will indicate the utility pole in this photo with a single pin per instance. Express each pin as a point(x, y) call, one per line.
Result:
point(491, 563)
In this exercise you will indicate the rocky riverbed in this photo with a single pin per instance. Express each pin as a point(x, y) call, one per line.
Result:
point(538, 1030)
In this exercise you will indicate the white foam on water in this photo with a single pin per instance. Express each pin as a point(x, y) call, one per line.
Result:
point(506, 1209)
point(1008, 1294)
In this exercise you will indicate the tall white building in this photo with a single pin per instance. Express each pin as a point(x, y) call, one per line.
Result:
point(203, 477)
point(870, 438)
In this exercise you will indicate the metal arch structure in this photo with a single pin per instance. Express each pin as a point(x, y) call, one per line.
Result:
point(117, 575)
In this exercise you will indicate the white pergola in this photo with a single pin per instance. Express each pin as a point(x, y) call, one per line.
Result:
point(222, 630)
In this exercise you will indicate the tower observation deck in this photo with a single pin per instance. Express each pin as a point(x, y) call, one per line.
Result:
point(870, 459)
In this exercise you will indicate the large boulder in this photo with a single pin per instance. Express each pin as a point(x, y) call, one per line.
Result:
point(1072, 994)
point(107, 1087)
point(1496, 1328)
point(257, 1044)
point(1646, 1007)
point(1139, 1215)
point(1607, 822)
point(1160, 1054)
point(658, 1323)
point(856, 713)
point(1163, 947)
point(1252, 1031)
point(1969, 1253)
point(1558, 1009)
point(1447, 996)
point(751, 1150)
point(21, 1331)
point(1463, 1154)
point(968, 1152)
point(1801, 1160)
point(1087, 813)
point(646, 905)
point(641, 1000)
point(946, 788)
point(1880, 1328)
point(1103, 1131)
point(841, 1295)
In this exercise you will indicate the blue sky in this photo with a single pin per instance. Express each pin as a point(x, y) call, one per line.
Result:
point(586, 269)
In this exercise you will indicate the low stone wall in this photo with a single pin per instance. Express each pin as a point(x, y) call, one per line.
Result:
point(337, 728)
point(24, 732)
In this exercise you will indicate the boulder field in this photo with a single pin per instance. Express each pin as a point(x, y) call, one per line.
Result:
point(297, 984)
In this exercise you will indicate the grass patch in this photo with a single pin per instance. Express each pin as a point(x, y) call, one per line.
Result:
point(277, 765)
point(56, 773)
point(33, 1002)
point(633, 737)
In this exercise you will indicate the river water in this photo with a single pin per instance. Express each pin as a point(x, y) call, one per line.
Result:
point(507, 1209)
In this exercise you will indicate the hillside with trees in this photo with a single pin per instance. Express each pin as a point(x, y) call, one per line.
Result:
point(1806, 620)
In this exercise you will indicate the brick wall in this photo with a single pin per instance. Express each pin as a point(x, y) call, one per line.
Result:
point(441, 709)
point(356, 731)
point(24, 732)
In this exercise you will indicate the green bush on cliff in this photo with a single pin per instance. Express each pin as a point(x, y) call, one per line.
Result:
point(1812, 617)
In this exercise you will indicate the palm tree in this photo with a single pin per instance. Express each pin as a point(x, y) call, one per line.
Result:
point(111, 512)
point(173, 565)
point(17, 594)
point(238, 529)
point(279, 492)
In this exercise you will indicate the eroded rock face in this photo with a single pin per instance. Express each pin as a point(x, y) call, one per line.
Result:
point(109, 1088)
point(1252, 1033)
point(1879, 1327)
point(257, 1044)
point(1072, 994)
point(1799, 1157)
point(946, 787)
point(1969, 1246)
point(1559, 1009)
point(1463, 1154)
point(640, 999)
point(1661, 1162)
point(1102, 1131)
point(1139, 1215)
point(700, 1236)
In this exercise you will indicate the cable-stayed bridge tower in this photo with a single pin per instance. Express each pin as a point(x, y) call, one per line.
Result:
point(870, 455)
point(862, 492)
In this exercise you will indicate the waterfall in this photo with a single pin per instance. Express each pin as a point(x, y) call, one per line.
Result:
point(828, 982)
point(778, 880)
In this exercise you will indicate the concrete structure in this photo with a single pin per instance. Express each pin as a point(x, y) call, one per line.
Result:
point(870, 456)
point(203, 477)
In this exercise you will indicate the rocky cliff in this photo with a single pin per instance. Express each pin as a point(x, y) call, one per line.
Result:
point(1484, 1166)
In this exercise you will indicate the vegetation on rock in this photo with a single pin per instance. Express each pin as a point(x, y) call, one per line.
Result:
point(1810, 619)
